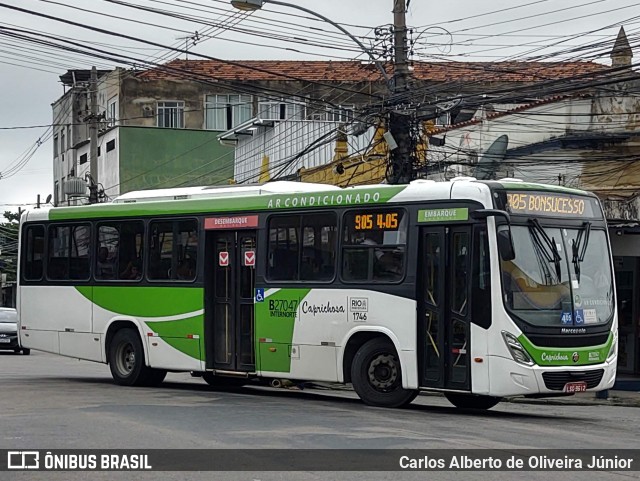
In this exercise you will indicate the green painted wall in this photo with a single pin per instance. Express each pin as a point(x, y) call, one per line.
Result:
point(162, 158)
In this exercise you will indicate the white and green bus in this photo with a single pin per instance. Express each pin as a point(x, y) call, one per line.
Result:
point(476, 289)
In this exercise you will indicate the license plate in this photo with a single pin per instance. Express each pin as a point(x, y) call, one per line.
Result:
point(575, 387)
point(4, 340)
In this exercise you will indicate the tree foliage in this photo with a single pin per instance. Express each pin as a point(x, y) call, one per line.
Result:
point(9, 244)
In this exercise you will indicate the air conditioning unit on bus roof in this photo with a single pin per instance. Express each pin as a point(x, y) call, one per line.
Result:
point(212, 192)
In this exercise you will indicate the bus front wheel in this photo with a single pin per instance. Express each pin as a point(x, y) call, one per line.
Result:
point(377, 377)
point(472, 401)
point(126, 361)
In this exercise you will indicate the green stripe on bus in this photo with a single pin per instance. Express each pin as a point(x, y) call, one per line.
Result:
point(276, 318)
point(567, 356)
point(175, 334)
point(231, 203)
point(145, 301)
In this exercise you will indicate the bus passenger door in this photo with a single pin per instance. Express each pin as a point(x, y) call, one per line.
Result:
point(444, 311)
point(229, 295)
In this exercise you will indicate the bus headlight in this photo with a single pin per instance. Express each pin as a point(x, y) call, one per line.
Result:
point(515, 348)
point(614, 348)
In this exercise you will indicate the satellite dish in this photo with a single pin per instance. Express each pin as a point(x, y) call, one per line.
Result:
point(491, 158)
point(48, 199)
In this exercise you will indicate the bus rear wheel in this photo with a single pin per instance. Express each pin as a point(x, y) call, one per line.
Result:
point(377, 377)
point(472, 401)
point(126, 361)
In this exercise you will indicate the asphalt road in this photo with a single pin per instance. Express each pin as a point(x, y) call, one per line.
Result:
point(51, 402)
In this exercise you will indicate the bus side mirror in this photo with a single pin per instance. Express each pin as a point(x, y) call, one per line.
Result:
point(505, 243)
point(484, 213)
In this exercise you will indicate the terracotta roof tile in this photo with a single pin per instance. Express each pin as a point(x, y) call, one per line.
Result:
point(350, 71)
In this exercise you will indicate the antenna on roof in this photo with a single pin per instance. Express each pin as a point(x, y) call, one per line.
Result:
point(195, 38)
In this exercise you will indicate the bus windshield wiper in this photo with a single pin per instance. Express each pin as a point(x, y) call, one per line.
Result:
point(548, 248)
point(579, 247)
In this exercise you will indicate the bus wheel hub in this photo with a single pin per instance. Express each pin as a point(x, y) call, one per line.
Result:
point(383, 371)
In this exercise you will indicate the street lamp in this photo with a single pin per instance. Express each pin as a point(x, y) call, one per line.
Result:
point(252, 5)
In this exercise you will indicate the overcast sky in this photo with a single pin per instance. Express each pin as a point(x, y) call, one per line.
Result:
point(461, 30)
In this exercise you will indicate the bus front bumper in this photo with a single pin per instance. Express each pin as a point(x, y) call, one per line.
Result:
point(515, 379)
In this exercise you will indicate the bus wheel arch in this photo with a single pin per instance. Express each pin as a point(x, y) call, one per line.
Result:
point(355, 342)
point(114, 327)
point(126, 356)
point(372, 364)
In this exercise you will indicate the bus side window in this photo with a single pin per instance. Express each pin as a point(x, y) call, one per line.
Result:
point(300, 247)
point(481, 280)
point(34, 255)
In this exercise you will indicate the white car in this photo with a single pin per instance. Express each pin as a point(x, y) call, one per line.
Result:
point(9, 331)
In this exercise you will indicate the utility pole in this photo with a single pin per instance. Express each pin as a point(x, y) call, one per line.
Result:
point(400, 169)
point(93, 137)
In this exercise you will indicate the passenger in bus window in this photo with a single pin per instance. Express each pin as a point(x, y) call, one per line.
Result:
point(106, 266)
point(187, 269)
point(156, 269)
point(132, 271)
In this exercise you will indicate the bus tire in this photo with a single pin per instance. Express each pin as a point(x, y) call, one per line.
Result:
point(471, 401)
point(222, 381)
point(26, 352)
point(126, 359)
point(377, 377)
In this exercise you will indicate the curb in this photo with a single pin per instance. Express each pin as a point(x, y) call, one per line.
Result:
point(613, 400)
point(590, 399)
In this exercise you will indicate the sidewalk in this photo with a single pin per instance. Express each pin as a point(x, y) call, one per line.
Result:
point(616, 398)
point(625, 392)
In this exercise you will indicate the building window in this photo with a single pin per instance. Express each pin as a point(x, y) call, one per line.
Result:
point(69, 138)
point(342, 113)
point(285, 109)
point(63, 145)
point(171, 115)
point(83, 159)
point(112, 111)
point(111, 145)
point(224, 112)
point(55, 145)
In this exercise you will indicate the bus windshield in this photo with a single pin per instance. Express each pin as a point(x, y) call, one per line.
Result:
point(559, 277)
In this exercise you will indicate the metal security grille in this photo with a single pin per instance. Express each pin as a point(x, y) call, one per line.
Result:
point(556, 380)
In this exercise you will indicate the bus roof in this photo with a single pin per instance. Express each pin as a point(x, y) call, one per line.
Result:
point(217, 191)
point(284, 195)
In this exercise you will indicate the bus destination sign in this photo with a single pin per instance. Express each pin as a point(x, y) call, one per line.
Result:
point(551, 204)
